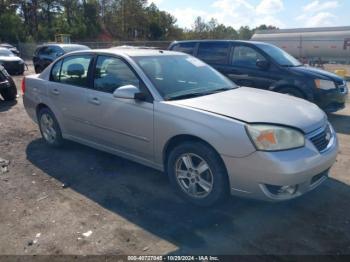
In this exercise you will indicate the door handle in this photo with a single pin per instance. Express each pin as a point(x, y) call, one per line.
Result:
point(95, 101)
point(55, 91)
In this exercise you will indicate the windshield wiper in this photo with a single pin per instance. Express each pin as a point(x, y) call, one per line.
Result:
point(185, 96)
point(191, 95)
point(292, 65)
point(219, 90)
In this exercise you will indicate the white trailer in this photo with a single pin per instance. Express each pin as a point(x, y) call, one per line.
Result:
point(312, 45)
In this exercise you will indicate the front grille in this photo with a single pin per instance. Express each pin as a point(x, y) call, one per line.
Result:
point(322, 139)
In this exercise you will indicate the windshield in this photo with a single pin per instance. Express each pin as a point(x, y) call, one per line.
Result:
point(6, 52)
point(280, 56)
point(182, 76)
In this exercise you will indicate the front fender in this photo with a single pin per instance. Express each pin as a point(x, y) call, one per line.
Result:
point(304, 86)
point(227, 136)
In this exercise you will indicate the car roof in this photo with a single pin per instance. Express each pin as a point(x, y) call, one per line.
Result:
point(4, 48)
point(132, 52)
point(59, 45)
point(6, 44)
point(218, 40)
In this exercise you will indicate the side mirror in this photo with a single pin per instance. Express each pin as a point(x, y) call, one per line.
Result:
point(129, 92)
point(263, 64)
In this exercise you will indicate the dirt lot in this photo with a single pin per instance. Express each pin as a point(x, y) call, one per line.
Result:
point(131, 209)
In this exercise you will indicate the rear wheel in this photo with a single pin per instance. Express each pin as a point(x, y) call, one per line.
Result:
point(197, 173)
point(291, 91)
point(9, 94)
point(49, 128)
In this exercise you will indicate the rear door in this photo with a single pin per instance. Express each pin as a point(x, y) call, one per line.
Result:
point(69, 81)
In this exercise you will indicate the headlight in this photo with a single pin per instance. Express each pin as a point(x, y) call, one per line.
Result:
point(325, 84)
point(275, 138)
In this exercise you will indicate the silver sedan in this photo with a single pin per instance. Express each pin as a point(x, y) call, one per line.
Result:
point(172, 112)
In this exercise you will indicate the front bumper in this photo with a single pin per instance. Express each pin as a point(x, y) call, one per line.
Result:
point(305, 168)
point(332, 100)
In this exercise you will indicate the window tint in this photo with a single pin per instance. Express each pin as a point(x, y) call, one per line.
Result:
point(112, 73)
point(216, 53)
point(75, 70)
point(55, 51)
point(42, 50)
point(55, 72)
point(187, 48)
point(245, 56)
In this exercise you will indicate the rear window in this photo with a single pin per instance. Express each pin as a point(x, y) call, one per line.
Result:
point(187, 48)
point(72, 48)
point(214, 53)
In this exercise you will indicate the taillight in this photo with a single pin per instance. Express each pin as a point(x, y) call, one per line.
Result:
point(23, 86)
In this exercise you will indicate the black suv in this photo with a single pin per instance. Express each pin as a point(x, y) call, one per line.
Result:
point(265, 66)
point(8, 88)
point(46, 54)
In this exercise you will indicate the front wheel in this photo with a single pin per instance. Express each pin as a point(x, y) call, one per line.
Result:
point(198, 174)
point(49, 128)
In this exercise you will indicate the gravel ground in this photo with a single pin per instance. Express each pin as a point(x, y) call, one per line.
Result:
point(77, 200)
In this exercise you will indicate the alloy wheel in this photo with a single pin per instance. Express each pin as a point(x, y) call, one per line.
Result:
point(194, 175)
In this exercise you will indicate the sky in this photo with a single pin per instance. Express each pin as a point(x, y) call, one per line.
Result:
point(280, 13)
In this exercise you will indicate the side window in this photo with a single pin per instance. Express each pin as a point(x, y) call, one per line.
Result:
point(245, 56)
point(215, 53)
point(55, 52)
point(75, 69)
point(42, 50)
point(55, 72)
point(112, 73)
point(187, 48)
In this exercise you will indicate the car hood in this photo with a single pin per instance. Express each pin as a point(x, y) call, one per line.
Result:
point(10, 58)
point(317, 73)
point(259, 106)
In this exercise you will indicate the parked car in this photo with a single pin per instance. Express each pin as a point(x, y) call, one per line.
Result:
point(13, 49)
point(265, 66)
point(210, 136)
point(46, 54)
point(8, 88)
point(12, 63)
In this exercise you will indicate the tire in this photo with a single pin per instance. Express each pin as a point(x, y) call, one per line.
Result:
point(212, 184)
point(9, 94)
point(49, 128)
point(291, 91)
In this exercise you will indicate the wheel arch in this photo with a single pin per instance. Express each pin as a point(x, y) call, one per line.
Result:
point(179, 139)
point(39, 107)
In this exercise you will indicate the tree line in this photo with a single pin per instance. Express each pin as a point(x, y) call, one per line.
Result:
point(103, 20)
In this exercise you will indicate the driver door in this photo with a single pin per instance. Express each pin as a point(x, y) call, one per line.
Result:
point(121, 124)
point(244, 70)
